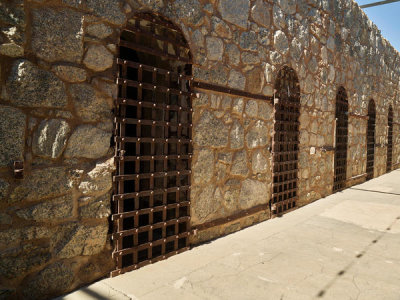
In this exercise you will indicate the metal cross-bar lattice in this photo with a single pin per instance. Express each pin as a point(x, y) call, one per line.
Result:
point(153, 138)
point(371, 139)
point(286, 141)
point(390, 141)
point(341, 140)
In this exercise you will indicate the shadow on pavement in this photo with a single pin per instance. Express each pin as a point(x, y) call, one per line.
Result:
point(323, 291)
point(352, 188)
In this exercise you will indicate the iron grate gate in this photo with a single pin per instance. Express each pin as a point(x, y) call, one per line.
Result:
point(286, 141)
point(153, 138)
point(371, 139)
point(390, 140)
point(341, 140)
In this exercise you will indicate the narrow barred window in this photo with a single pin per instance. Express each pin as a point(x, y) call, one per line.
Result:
point(342, 109)
point(153, 136)
point(286, 141)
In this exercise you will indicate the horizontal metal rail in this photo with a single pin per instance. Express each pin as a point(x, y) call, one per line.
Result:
point(357, 177)
point(161, 106)
point(119, 197)
point(148, 68)
point(150, 175)
point(144, 211)
point(351, 114)
point(230, 91)
point(151, 87)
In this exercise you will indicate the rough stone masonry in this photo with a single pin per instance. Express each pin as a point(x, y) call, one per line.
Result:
point(57, 71)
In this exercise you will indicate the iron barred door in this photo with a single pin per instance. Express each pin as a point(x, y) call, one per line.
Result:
point(390, 140)
point(371, 139)
point(286, 141)
point(341, 140)
point(153, 136)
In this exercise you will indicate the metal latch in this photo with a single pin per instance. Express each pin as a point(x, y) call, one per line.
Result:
point(19, 169)
point(274, 209)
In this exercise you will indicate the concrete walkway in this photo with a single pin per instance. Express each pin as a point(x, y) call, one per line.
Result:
point(346, 246)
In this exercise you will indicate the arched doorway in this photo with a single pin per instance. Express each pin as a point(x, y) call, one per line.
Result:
point(342, 108)
point(153, 150)
point(371, 139)
point(286, 141)
point(390, 140)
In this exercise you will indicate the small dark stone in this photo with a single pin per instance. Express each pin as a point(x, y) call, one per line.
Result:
point(11, 13)
point(109, 10)
point(50, 138)
point(53, 280)
point(12, 134)
point(16, 262)
point(57, 209)
point(5, 219)
point(88, 104)
point(260, 13)
point(217, 75)
point(95, 207)
point(188, 10)
point(100, 31)
point(235, 11)
point(41, 183)
point(30, 86)
point(57, 35)
point(248, 40)
point(89, 142)
point(218, 137)
point(75, 240)
point(7, 293)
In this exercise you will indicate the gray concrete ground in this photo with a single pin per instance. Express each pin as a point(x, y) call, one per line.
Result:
point(346, 246)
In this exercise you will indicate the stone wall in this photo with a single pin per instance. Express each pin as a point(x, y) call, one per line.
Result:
point(232, 162)
point(57, 70)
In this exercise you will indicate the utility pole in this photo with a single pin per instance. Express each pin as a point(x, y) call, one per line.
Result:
point(378, 3)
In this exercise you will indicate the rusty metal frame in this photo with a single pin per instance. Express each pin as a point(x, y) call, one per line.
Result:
point(340, 165)
point(153, 153)
point(356, 177)
point(285, 145)
point(390, 141)
point(371, 139)
point(231, 91)
point(355, 115)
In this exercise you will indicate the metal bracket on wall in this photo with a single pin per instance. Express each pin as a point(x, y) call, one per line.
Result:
point(356, 177)
point(327, 148)
point(18, 169)
point(355, 115)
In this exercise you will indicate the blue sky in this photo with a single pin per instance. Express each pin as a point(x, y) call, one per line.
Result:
point(387, 18)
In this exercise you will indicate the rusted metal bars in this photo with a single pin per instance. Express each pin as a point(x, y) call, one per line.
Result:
point(285, 148)
point(153, 154)
point(341, 140)
point(390, 141)
point(371, 140)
